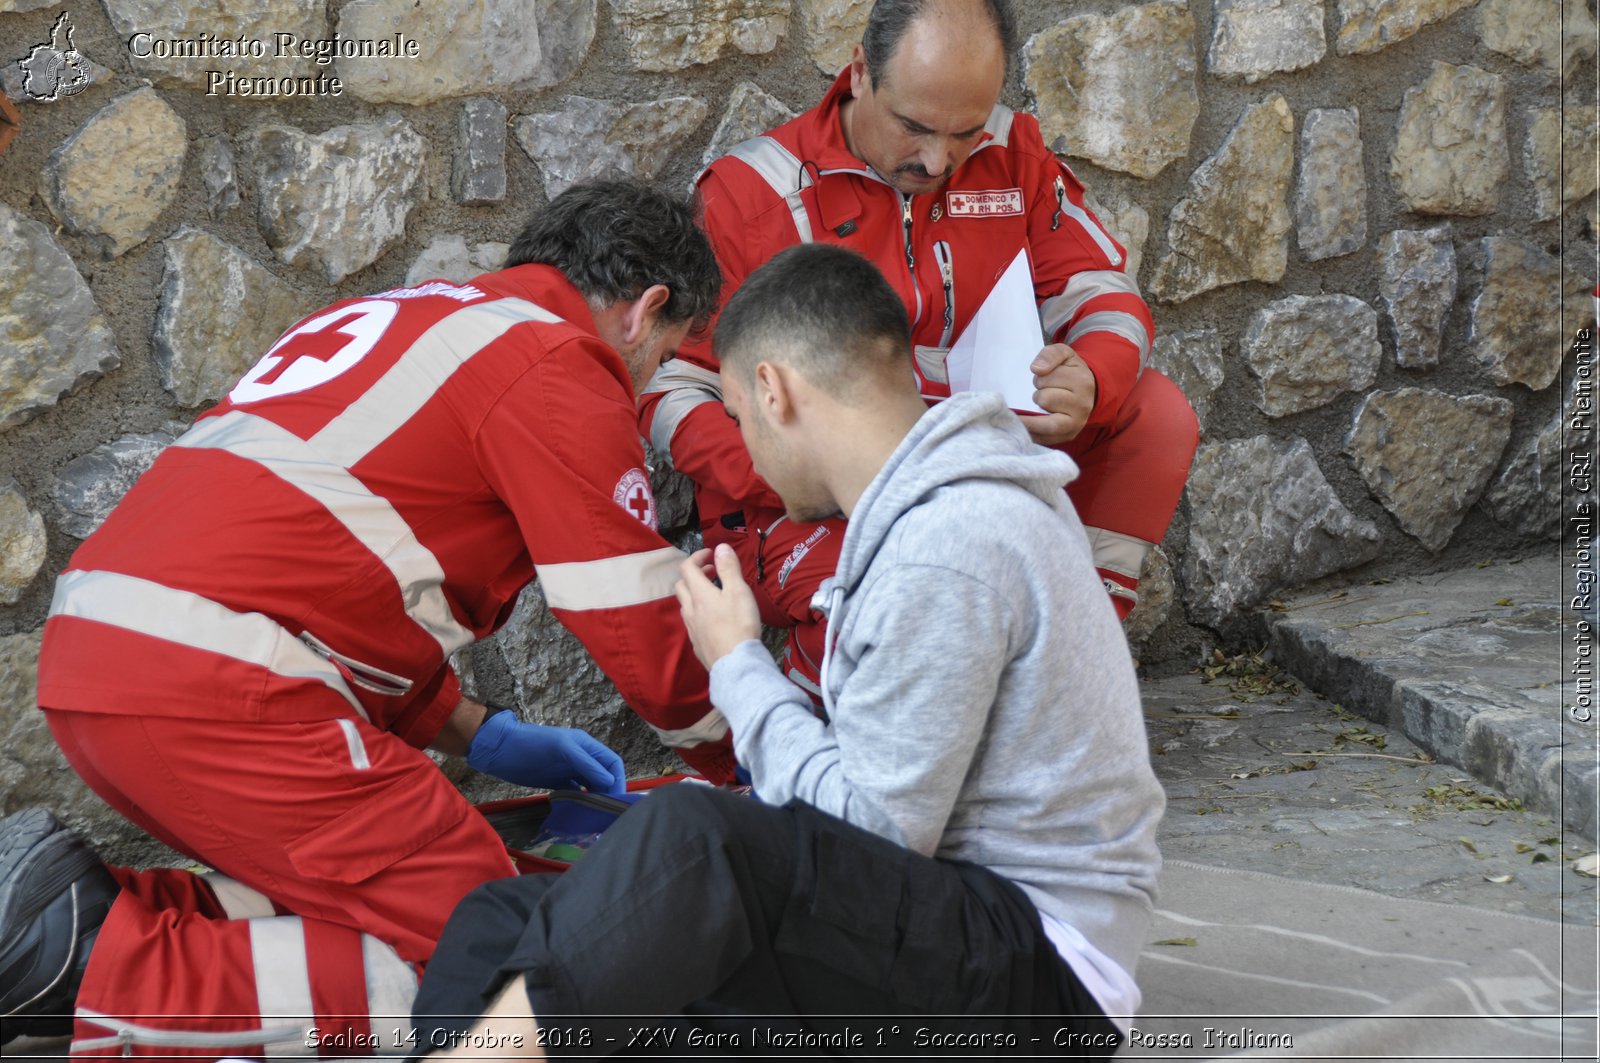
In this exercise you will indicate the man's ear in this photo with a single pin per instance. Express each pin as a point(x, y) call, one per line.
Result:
point(774, 392)
point(643, 312)
point(860, 80)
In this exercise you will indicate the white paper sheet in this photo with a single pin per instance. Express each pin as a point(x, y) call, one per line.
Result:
point(996, 349)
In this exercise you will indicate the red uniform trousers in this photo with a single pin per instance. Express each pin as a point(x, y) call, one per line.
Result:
point(1130, 481)
point(356, 833)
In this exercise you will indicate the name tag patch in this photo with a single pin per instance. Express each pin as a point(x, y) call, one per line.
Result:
point(994, 204)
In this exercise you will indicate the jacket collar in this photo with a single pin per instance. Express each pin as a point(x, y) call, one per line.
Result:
point(820, 144)
point(544, 286)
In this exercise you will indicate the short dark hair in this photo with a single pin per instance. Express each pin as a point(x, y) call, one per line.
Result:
point(823, 309)
point(889, 20)
point(614, 239)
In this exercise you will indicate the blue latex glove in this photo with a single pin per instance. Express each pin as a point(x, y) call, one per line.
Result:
point(556, 758)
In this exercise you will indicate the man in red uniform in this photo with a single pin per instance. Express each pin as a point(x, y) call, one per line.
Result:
point(910, 161)
point(250, 656)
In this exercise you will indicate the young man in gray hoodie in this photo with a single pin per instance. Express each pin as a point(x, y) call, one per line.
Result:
point(967, 829)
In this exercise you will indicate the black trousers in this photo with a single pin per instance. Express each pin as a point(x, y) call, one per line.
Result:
point(715, 908)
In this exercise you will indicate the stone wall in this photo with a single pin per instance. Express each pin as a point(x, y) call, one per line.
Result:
point(1366, 226)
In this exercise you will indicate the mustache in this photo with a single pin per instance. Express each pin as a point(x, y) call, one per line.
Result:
point(916, 169)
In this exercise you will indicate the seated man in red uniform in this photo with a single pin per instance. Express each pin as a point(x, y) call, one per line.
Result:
point(250, 656)
point(910, 161)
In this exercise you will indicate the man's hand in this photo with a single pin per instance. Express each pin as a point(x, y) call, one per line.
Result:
point(1066, 388)
point(717, 619)
point(555, 758)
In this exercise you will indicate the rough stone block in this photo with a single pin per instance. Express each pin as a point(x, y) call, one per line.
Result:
point(22, 542)
point(1552, 35)
point(447, 257)
point(112, 178)
point(1262, 516)
point(1255, 38)
point(1330, 209)
point(1193, 361)
point(1369, 25)
point(1427, 455)
point(596, 138)
point(1516, 327)
point(1233, 222)
point(337, 200)
point(674, 34)
point(751, 112)
point(1529, 490)
point(1450, 154)
point(220, 311)
point(1158, 592)
point(87, 489)
point(464, 46)
point(53, 337)
point(1310, 349)
point(832, 30)
point(479, 176)
point(1417, 287)
point(1119, 89)
point(1559, 157)
point(217, 174)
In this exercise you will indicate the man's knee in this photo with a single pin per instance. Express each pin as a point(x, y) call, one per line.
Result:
point(1162, 409)
point(686, 817)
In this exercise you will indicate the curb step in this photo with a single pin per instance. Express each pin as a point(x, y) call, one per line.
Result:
point(1467, 664)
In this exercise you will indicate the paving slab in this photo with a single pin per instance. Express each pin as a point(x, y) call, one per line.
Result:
point(1467, 664)
point(1262, 774)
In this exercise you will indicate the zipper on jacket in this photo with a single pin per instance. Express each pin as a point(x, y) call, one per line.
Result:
point(365, 676)
point(911, 255)
point(947, 273)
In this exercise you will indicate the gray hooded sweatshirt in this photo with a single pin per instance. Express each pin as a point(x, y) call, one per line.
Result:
point(980, 699)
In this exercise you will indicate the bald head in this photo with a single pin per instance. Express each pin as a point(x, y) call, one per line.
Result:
point(824, 311)
point(925, 24)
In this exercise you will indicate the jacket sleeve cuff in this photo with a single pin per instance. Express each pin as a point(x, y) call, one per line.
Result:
point(424, 726)
point(746, 685)
point(1115, 365)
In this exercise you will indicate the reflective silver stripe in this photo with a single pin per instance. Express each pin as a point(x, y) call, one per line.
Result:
point(1056, 311)
point(799, 680)
point(238, 901)
point(391, 988)
point(418, 374)
point(187, 619)
point(611, 582)
point(998, 127)
point(931, 360)
point(1117, 590)
point(1089, 225)
point(784, 174)
point(711, 727)
point(1119, 322)
point(371, 519)
point(352, 741)
point(132, 1033)
point(1115, 552)
point(686, 386)
point(283, 982)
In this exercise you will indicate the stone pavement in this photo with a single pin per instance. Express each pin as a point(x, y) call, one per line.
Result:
point(1427, 762)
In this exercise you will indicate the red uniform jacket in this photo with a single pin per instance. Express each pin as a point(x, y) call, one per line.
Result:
point(942, 252)
point(371, 498)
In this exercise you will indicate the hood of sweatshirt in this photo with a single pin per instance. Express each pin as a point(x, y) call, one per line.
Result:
point(943, 448)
